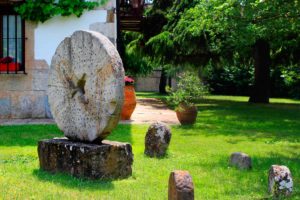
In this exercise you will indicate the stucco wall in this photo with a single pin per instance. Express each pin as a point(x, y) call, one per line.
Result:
point(150, 83)
point(25, 96)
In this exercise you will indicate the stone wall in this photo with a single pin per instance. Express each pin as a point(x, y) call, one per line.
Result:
point(150, 83)
point(25, 95)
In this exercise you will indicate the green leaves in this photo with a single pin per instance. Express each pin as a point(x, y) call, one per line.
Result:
point(42, 10)
point(189, 90)
point(200, 30)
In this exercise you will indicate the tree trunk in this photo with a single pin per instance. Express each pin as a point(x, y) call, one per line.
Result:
point(163, 82)
point(262, 60)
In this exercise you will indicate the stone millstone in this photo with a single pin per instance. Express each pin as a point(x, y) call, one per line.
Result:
point(280, 181)
point(86, 84)
point(240, 160)
point(181, 186)
point(157, 139)
point(109, 160)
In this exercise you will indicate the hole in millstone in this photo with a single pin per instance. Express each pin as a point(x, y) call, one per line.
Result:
point(81, 84)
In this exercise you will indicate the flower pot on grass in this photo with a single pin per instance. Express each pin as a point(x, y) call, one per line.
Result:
point(129, 99)
point(189, 91)
point(186, 114)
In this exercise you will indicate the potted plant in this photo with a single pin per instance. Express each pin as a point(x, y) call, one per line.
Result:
point(129, 99)
point(188, 92)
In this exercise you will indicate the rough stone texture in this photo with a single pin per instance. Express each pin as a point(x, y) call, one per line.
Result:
point(27, 104)
point(240, 160)
point(109, 160)
point(47, 108)
point(157, 139)
point(85, 86)
point(39, 79)
point(280, 181)
point(5, 107)
point(181, 186)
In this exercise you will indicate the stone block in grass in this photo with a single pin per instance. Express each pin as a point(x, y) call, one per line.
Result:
point(240, 160)
point(280, 181)
point(181, 186)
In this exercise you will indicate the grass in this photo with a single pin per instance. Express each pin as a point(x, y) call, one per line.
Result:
point(269, 133)
point(156, 95)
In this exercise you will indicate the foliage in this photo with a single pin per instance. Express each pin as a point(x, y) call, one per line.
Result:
point(224, 125)
point(135, 63)
point(203, 33)
point(237, 79)
point(42, 10)
point(188, 90)
point(228, 79)
point(291, 78)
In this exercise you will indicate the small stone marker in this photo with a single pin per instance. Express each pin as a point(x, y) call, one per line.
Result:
point(280, 181)
point(85, 86)
point(240, 160)
point(181, 186)
point(110, 160)
point(157, 139)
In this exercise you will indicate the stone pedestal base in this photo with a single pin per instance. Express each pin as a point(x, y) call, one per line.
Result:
point(109, 160)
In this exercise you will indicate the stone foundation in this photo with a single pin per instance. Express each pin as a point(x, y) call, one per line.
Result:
point(109, 160)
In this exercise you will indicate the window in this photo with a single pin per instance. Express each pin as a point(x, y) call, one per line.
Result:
point(11, 41)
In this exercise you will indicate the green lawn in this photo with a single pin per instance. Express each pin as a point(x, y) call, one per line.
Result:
point(269, 133)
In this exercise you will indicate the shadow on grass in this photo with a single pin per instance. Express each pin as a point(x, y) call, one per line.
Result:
point(275, 121)
point(256, 179)
point(68, 181)
point(122, 133)
point(164, 157)
point(29, 135)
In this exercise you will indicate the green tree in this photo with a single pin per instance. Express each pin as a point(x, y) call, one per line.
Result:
point(260, 32)
point(137, 60)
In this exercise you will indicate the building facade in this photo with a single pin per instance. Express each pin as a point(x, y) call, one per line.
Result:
point(26, 49)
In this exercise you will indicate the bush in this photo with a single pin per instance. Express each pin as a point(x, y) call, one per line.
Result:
point(237, 80)
point(189, 90)
point(229, 79)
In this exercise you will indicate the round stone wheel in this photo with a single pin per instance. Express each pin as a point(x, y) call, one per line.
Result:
point(85, 86)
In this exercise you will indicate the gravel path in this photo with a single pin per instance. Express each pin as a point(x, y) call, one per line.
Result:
point(147, 111)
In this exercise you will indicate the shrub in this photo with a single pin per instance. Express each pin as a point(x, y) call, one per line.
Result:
point(189, 90)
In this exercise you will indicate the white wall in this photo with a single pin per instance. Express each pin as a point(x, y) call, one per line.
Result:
point(49, 34)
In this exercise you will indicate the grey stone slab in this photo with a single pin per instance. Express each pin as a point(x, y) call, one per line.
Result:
point(107, 160)
point(47, 108)
point(5, 107)
point(22, 106)
point(39, 107)
point(40, 79)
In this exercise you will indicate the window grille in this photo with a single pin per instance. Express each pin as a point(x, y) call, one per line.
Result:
point(12, 41)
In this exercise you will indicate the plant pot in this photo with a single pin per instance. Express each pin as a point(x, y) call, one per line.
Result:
point(129, 102)
point(186, 114)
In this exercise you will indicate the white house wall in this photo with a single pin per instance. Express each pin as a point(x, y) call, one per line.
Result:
point(49, 34)
point(25, 95)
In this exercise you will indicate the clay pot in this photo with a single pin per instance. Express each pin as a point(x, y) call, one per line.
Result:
point(129, 102)
point(186, 114)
